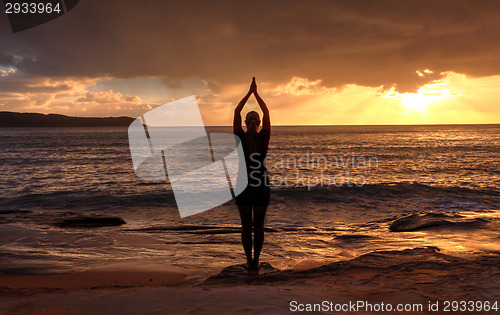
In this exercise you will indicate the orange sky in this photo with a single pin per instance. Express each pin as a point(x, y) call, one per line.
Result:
point(334, 62)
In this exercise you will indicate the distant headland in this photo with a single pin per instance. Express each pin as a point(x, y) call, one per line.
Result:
point(13, 119)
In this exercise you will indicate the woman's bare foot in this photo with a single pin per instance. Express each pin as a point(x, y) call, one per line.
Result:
point(252, 266)
point(255, 265)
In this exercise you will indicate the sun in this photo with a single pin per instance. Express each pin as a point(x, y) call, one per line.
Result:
point(416, 101)
point(425, 96)
point(428, 94)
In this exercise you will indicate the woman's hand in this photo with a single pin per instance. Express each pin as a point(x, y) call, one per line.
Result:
point(253, 86)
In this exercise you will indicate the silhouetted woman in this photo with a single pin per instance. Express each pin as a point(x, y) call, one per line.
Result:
point(253, 201)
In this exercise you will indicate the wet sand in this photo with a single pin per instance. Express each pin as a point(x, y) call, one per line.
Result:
point(414, 276)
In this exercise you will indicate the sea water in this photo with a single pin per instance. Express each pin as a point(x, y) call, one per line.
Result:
point(337, 192)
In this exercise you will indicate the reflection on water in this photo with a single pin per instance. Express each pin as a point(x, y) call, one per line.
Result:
point(50, 174)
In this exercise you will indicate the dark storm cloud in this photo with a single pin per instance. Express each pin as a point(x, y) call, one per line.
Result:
point(369, 43)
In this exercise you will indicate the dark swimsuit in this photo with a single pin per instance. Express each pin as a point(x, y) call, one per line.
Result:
point(257, 193)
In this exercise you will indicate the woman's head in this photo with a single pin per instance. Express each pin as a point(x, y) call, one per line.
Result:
point(252, 121)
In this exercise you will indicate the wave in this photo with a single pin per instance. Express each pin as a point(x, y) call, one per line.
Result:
point(375, 202)
point(353, 237)
point(447, 198)
point(389, 189)
point(396, 262)
point(427, 221)
point(90, 221)
point(82, 199)
point(209, 229)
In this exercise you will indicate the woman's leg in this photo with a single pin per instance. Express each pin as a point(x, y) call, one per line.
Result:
point(259, 214)
point(246, 231)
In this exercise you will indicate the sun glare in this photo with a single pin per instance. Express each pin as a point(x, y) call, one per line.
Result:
point(416, 101)
point(428, 94)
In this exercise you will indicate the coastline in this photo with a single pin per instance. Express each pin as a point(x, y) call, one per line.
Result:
point(417, 275)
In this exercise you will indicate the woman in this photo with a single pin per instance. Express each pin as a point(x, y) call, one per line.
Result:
point(255, 198)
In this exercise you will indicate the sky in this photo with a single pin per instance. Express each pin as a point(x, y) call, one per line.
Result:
point(315, 62)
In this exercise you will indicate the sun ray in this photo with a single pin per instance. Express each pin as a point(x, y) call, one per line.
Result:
point(426, 95)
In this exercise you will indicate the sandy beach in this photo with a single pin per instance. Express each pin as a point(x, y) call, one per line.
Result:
point(415, 276)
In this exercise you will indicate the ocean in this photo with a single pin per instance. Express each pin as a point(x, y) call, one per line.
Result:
point(337, 192)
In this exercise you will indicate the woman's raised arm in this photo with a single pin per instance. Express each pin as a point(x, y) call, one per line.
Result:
point(266, 120)
point(237, 111)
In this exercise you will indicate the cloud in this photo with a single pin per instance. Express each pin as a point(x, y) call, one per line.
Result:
point(7, 72)
point(368, 43)
point(328, 62)
point(70, 96)
point(453, 98)
point(107, 98)
point(299, 86)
